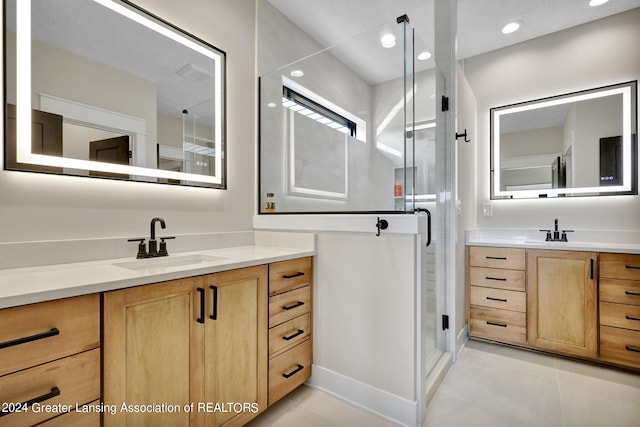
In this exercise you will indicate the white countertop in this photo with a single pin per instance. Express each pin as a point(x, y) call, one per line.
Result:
point(580, 240)
point(28, 285)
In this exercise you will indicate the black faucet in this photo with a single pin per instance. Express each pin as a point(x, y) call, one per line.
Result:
point(556, 233)
point(153, 243)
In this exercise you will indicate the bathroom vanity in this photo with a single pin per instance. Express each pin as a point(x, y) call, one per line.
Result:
point(556, 298)
point(211, 338)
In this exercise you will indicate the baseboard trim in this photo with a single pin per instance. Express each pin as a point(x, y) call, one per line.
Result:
point(385, 405)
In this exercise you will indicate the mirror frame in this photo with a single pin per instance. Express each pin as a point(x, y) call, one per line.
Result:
point(628, 90)
point(28, 161)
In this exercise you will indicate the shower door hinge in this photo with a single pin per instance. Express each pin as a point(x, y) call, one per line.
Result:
point(445, 322)
point(445, 103)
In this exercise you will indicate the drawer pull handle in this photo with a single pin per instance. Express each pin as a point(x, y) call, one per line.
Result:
point(635, 350)
point(634, 267)
point(55, 391)
point(497, 299)
point(502, 325)
point(631, 318)
point(300, 332)
point(201, 318)
point(502, 279)
point(51, 333)
point(295, 371)
point(292, 306)
point(501, 258)
point(291, 276)
point(214, 314)
point(635, 294)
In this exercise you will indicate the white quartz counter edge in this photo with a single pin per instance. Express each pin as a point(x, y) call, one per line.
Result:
point(36, 284)
point(627, 248)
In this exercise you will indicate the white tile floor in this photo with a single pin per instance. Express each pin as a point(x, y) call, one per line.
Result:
point(492, 386)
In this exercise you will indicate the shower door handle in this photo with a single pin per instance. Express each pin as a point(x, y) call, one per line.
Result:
point(428, 227)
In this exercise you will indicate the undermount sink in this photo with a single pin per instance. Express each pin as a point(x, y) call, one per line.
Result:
point(557, 243)
point(168, 262)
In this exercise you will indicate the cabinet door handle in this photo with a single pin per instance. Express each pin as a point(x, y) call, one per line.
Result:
point(591, 271)
point(503, 325)
point(214, 314)
point(501, 258)
point(295, 371)
point(292, 306)
point(291, 276)
point(201, 318)
point(300, 332)
point(629, 348)
point(55, 391)
point(51, 333)
point(497, 299)
point(635, 294)
point(634, 267)
point(502, 279)
point(631, 318)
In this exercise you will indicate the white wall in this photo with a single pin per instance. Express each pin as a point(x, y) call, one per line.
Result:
point(596, 54)
point(45, 207)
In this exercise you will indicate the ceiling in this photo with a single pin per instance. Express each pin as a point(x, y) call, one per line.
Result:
point(331, 22)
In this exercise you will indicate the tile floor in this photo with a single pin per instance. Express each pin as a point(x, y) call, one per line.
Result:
point(492, 386)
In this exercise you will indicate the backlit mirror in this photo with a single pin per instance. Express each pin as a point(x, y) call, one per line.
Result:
point(576, 144)
point(102, 88)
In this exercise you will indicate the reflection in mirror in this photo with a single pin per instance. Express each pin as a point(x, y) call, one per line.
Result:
point(578, 144)
point(102, 88)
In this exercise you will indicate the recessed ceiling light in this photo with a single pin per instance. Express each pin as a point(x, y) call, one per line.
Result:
point(297, 73)
point(271, 105)
point(423, 56)
point(510, 27)
point(597, 2)
point(388, 40)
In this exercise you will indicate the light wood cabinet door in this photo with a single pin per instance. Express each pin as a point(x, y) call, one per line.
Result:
point(201, 340)
point(153, 347)
point(562, 301)
point(236, 345)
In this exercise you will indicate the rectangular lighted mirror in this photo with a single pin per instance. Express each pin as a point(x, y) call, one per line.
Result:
point(576, 144)
point(102, 88)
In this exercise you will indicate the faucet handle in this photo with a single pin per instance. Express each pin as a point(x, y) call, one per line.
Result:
point(564, 235)
point(548, 238)
point(163, 245)
point(142, 248)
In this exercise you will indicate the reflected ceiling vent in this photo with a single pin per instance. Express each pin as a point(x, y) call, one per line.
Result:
point(194, 73)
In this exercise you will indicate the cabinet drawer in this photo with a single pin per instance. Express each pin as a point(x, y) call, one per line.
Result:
point(37, 333)
point(620, 315)
point(502, 325)
point(289, 334)
point(620, 346)
point(620, 266)
point(74, 379)
point(76, 419)
point(289, 370)
point(287, 275)
point(288, 305)
point(498, 298)
point(620, 291)
point(497, 278)
point(509, 258)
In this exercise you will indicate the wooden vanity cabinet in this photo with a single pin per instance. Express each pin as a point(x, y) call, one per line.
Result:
point(50, 355)
point(496, 293)
point(620, 309)
point(198, 340)
point(290, 350)
point(562, 295)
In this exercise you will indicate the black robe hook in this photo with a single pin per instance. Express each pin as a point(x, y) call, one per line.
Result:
point(460, 135)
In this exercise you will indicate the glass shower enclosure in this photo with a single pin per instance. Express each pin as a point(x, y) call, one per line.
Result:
point(352, 129)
